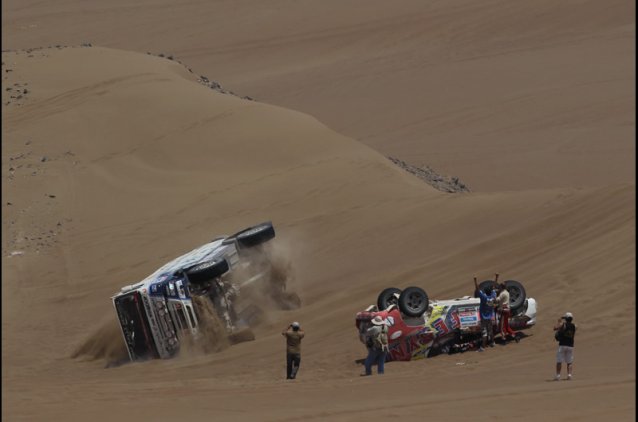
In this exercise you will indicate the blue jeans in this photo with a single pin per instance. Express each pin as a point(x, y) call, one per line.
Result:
point(375, 356)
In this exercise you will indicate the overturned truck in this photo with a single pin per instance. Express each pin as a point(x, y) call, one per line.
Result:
point(159, 313)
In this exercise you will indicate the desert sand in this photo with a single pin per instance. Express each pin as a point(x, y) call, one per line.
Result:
point(115, 161)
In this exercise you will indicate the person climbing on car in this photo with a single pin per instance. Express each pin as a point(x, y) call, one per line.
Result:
point(486, 309)
point(565, 330)
point(504, 313)
point(377, 345)
point(293, 334)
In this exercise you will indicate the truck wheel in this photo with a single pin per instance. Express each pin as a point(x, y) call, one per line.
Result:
point(206, 271)
point(483, 284)
point(517, 294)
point(387, 297)
point(413, 301)
point(255, 235)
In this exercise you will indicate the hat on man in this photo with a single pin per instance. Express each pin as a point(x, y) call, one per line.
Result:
point(568, 315)
point(295, 324)
point(377, 320)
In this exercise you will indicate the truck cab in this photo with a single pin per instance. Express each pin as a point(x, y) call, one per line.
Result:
point(155, 320)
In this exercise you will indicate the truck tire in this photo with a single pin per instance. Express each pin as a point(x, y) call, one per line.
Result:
point(413, 301)
point(483, 284)
point(255, 235)
point(206, 271)
point(387, 297)
point(517, 294)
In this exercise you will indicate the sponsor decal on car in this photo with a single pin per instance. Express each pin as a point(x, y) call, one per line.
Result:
point(468, 316)
point(440, 326)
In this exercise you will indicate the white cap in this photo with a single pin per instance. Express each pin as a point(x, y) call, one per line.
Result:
point(568, 315)
point(295, 324)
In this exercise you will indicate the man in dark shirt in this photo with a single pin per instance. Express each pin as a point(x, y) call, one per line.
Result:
point(293, 334)
point(486, 309)
point(565, 332)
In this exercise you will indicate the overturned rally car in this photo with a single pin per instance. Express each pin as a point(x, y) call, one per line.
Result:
point(159, 313)
point(420, 328)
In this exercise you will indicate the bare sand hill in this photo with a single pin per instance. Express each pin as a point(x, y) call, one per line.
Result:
point(114, 162)
point(508, 96)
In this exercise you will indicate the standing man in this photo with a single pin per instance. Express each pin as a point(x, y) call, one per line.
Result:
point(565, 332)
point(503, 309)
point(293, 334)
point(486, 309)
point(377, 344)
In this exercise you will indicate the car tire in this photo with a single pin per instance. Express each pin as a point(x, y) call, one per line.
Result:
point(255, 235)
point(387, 297)
point(517, 294)
point(413, 301)
point(206, 271)
point(483, 284)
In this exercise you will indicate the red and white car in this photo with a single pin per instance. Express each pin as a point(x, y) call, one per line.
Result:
point(420, 328)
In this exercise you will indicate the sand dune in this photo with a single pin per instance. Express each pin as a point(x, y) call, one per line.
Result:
point(115, 161)
point(525, 96)
point(118, 161)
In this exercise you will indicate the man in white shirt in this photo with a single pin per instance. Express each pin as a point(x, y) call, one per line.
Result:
point(504, 313)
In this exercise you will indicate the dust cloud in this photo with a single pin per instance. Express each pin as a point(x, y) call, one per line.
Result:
point(212, 336)
point(275, 291)
point(105, 343)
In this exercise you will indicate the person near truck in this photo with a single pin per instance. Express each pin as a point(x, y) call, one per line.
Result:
point(504, 313)
point(377, 345)
point(486, 309)
point(293, 334)
point(565, 330)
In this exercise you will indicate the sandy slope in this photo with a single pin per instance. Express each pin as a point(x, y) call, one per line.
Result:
point(506, 96)
point(142, 163)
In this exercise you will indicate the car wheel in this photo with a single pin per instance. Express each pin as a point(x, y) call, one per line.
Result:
point(517, 294)
point(255, 235)
point(413, 301)
point(206, 271)
point(483, 284)
point(388, 297)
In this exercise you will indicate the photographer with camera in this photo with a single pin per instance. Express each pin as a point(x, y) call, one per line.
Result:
point(293, 334)
point(565, 330)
